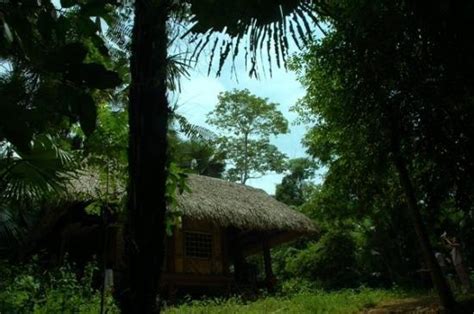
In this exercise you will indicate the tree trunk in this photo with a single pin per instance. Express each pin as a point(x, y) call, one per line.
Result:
point(148, 121)
point(246, 170)
point(267, 263)
point(439, 281)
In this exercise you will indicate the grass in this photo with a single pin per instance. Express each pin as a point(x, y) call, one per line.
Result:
point(345, 301)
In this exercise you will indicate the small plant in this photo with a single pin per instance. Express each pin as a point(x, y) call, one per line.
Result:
point(298, 285)
point(28, 289)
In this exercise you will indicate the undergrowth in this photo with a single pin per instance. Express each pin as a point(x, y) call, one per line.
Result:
point(30, 289)
point(343, 301)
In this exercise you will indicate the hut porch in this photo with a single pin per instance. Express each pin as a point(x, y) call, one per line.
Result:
point(202, 253)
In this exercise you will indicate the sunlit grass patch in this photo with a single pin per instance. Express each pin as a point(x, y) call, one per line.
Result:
point(344, 301)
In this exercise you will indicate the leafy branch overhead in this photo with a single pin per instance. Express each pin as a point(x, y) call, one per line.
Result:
point(56, 61)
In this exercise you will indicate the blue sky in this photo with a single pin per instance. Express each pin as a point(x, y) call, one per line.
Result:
point(199, 96)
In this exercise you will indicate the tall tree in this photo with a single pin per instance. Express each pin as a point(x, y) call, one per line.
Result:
point(248, 121)
point(148, 121)
point(149, 112)
point(382, 84)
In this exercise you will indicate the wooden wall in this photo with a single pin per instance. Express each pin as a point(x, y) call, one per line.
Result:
point(178, 262)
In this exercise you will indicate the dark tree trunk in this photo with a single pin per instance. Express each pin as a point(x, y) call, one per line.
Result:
point(270, 279)
point(439, 281)
point(148, 120)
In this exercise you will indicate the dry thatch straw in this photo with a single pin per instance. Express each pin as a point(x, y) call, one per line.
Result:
point(221, 202)
point(231, 204)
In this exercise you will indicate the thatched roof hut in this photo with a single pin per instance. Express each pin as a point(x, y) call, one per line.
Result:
point(222, 224)
point(224, 203)
point(244, 207)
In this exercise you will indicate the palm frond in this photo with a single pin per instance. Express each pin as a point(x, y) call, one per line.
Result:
point(260, 26)
point(11, 231)
point(31, 176)
point(192, 131)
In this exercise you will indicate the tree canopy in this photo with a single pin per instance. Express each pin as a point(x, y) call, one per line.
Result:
point(294, 188)
point(248, 122)
point(381, 91)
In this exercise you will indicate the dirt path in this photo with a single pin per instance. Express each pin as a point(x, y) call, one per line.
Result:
point(425, 305)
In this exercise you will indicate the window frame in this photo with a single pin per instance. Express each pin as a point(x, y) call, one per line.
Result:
point(185, 247)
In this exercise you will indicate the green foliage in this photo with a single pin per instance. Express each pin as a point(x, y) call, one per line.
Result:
point(55, 68)
point(343, 301)
point(105, 149)
point(296, 285)
point(199, 156)
point(294, 188)
point(30, 289)
point(27, 180)
point(380, 86)
point(175, 184)
point(51, 72)
point(239, 113)
point(33, 174)
point(248, 122)
point(331, 261)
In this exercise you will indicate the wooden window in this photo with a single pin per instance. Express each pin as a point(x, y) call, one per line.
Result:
point(198, 244)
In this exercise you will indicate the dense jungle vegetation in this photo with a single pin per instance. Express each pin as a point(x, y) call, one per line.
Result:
point(388, 103)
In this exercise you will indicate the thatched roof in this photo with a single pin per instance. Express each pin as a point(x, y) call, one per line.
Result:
point(241, 206)
point(223, 203)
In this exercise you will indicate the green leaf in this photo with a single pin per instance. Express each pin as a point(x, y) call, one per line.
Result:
point(99, 44)
point(94, 208)
point(94, 8)
point(87, 26)
point(19, 136)
point(87, 114)
point(46, 25)
point(7, 32)
point(94, 75)
point(68, 3)
point(63, 24)
point(73, 53)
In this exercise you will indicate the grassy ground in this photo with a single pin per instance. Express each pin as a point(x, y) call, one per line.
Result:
point(370, 301)
point(346, 301)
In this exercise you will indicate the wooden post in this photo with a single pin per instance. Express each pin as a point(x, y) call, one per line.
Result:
point(270, 279)
point(239, 265)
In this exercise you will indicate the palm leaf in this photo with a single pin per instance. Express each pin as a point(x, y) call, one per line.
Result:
point(192, 131)
point(261, 26)
point(11, 231)
point(30, 176)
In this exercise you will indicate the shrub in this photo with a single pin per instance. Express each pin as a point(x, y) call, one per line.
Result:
point(298, 285)
point(28, 289)
point(330, 261)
